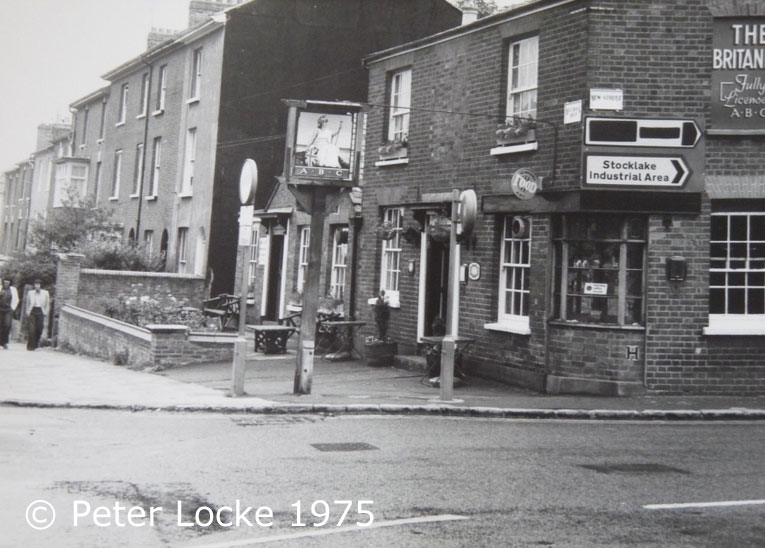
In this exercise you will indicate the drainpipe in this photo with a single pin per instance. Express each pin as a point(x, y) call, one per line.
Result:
point(145, 146)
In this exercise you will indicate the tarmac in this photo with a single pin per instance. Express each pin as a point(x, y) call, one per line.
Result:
point(49, 378)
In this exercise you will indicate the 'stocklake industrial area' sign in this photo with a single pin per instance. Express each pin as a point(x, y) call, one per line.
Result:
point(640, 171)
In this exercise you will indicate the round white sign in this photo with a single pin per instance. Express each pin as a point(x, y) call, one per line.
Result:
point(524, 184)
point(248, 181)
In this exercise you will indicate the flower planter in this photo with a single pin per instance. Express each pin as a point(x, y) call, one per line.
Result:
point(394, 154)
point(516, 138)
point(380, 354)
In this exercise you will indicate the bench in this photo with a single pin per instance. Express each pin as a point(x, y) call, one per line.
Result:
point(271, 339)
point(224, 307)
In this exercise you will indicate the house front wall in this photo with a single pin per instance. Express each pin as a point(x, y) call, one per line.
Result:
point(662, 341)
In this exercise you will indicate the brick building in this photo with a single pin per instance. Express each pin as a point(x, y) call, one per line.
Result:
point(616, 150)
point(167, 138)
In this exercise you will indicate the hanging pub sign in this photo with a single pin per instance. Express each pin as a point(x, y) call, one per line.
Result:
point(323, 140)
point(738, 76)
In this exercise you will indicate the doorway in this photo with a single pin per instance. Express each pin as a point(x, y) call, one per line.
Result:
point(437, 284)
point(273, 292)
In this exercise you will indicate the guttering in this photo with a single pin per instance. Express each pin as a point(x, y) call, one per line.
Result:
point(502, 18)
point(98, 94)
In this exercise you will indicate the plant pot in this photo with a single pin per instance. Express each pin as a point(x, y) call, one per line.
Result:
point(380, 354)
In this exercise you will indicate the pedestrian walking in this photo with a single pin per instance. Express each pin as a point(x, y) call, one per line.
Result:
point(9, 300)
point(38, 303)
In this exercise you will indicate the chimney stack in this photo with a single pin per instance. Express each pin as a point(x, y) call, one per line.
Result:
point(469, 15)
point(202, 10)
point(157, 36)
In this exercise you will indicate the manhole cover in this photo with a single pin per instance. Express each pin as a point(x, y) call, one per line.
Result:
point(354, 446)
point(634, 468)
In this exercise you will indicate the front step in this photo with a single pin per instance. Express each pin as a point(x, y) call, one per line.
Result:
point(411, 363)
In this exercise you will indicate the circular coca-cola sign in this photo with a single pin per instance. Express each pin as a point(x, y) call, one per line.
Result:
point(524, 184)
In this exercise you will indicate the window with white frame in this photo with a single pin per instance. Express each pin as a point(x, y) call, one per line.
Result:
point(253, 266)
point(144, 95)
point(600, 268)
point(116, 174)
point(523, 59)
point(138, 175)
point(737, 271)
point(71, 181)
point(196, 74)
point(188, 163)
point(156, 160)
point(161, 89)
point(391, 254)
point(148, 242)
point(182, 249)
point(514, 268)
point(99, 170)
point(123, 104)
point(339, 261)
point(305, 240)
point(85, 120)
point(400, 102)
point(103, 120)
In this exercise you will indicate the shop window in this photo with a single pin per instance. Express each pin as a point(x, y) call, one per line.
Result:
point(600, 269)
point(391, 256)
point(737, 273)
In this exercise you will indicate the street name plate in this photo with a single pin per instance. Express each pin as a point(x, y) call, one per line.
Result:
point(636, 171)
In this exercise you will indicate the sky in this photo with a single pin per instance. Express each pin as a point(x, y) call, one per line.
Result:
point(53, 52)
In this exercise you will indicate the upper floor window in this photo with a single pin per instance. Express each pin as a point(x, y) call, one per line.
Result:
point(737, 273)
point(599, 269)
point(391, 255)
point(138, 175)
point(161, 88)
point(123, 103)
point(156, 160)
point(400, 102)
point(144, 95)
point(117, 174)
point(523, 59)
point(85, 120)
point(103, 120)
point(189, 160)
point(196, 74)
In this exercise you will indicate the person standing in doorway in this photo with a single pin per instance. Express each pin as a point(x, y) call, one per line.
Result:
point(9, 300)
point(38, 302)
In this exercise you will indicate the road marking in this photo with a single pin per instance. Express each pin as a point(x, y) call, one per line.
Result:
point(702, 504)
point(322, 532)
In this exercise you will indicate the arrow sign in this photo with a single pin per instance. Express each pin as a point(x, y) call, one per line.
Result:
point(637, 132)
point(636, 171)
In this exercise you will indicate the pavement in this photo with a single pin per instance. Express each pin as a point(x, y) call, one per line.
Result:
point(51, 378)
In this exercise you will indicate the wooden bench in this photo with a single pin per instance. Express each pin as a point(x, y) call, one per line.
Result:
point(271, 339)
point(224, 307)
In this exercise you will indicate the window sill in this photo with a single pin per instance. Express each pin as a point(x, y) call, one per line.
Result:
point(141, 116)
point(512, 149)
point(135, 196)
point(159, 112)
point(151, 197)
point(100, 141)
point(732, 326)
point(392, 162)
point(577, 324)
point(119, 124)
point(113, 198)
point(192, 100)
point(185, 195)
point(519, 327)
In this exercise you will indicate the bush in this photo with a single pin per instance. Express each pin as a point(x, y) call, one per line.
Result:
point(139, 309)
point(108, 254)
point(25, 268)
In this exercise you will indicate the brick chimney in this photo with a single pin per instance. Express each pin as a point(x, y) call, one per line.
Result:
point(157, 36)
point(201, 10)
point(47, 134)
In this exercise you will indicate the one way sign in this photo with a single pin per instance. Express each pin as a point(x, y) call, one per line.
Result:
point(641, 132)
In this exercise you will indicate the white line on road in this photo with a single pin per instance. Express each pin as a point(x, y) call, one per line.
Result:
point(323, 532)
point(702, 504)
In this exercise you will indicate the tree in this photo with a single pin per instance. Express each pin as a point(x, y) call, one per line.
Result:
point(484, 7)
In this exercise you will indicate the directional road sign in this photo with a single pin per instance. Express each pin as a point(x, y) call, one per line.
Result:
point(636, 171)
point(638, 132)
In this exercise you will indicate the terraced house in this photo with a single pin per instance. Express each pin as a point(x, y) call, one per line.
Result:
point(616, 151)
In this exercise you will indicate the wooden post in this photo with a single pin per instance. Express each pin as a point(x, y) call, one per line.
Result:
point(304, 369)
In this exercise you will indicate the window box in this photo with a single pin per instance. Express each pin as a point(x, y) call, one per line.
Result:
point(393, 150)
point(501, 149)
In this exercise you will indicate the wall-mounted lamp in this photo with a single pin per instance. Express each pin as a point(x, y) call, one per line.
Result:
point(411, 267)
point(677, 269)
